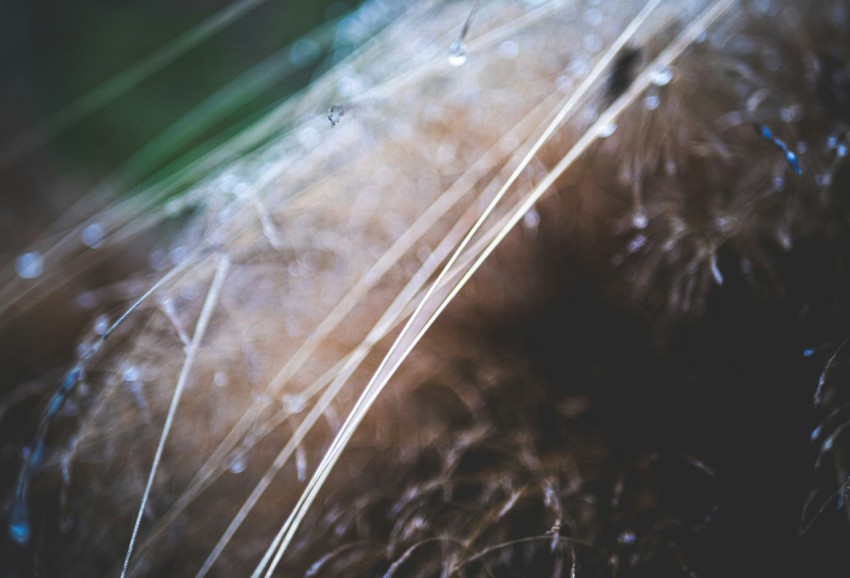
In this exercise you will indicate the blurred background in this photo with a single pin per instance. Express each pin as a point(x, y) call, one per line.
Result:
point(65, 123)
point(99, 98)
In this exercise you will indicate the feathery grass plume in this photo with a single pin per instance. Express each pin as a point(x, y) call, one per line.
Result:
point(535, 288)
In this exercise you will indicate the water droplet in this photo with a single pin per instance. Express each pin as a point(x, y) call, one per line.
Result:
point(636, 243)
point(87, 300)
point(30, 265)
point(158, 260)
point(841, 150)
point(783, 236)
point(808, 352)
point(592, 43)
point(608, 130)
point(509, 50)
point(593, 16)
point(824, 179)
point(301, 463)
point(794, 162)
point(173, 207)
point(446, 153)
point(308, 136)
point(178, 254)
point(304, 52)
point(190, 292)
point(132, 373)
point(790, 113)
point(652, 101)
point(816, 433)
point(578, 67)
point(238, 463)
point(640, 219)
point(457, 53)
point(220, 379)
point(531, 220)
point(762, 7)
point(662, 76)
point(101, 324)
point(70, 408)
point(83, 349)
point(168, 306)
point(19, 526)
point(240, 189)
point(627, 537)
point(294, 403)
point(564, 84)
point(93, 235)
point(350, 86)
point(724, 224)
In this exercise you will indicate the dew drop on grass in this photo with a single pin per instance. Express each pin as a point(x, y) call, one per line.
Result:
point(640, 220)
point(608, 130)
point(662, 76)
point(652, 102)
point(131, 374)
point(294, 403)
point(92, 236)
point(30, 265)
point(457, 53)
point(636, 243)
point(238, 464)
point(301, 463)
point(101, 324)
